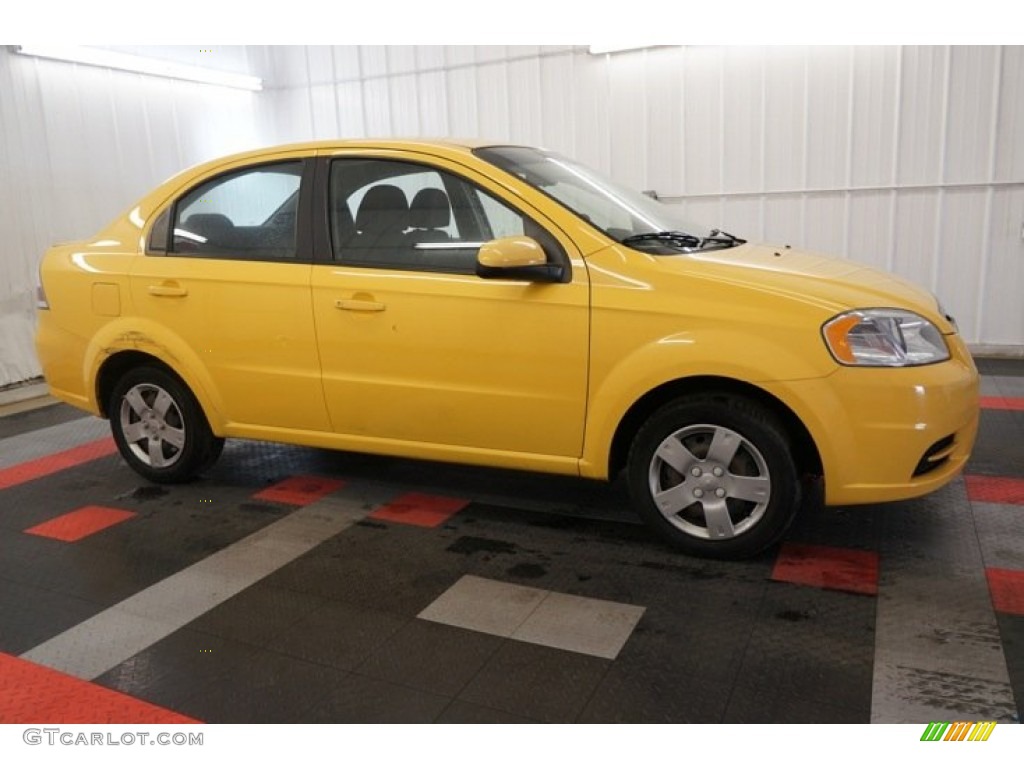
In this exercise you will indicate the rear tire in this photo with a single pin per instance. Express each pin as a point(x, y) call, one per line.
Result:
point(159, 426)
point(714, 476)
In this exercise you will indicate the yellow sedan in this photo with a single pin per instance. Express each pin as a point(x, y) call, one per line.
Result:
point(503, 306)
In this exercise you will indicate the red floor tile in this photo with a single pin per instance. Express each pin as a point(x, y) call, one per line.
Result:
point(1003, 403)
point(30, 693)
point(80, 523)
point(1007, 590)
point(300, 490)
point(998, 490)
point(846, 570)
point(55, 462)
point(420, 509)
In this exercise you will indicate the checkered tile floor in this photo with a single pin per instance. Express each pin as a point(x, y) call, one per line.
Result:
point(295, 585)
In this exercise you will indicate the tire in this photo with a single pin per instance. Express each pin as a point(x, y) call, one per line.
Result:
point(714, 476)
point(159, 427)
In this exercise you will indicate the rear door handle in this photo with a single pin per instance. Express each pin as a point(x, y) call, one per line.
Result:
point(359, 305)
point(167, 289)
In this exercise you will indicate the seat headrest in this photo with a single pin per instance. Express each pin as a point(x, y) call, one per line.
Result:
point(208, 224)
point(384, 208)
point(430, 209)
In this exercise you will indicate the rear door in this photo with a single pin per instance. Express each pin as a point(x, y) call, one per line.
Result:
point(228, 272)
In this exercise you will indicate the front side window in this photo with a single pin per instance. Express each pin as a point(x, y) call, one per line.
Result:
point(398, 215)
point(249, 214)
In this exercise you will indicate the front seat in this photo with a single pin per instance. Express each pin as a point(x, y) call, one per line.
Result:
point(429, 214)
point(382, 218)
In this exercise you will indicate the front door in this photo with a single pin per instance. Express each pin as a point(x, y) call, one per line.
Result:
point(416, 348)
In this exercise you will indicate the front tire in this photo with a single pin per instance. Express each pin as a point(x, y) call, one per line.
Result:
point(159, 427)
point(714, 475)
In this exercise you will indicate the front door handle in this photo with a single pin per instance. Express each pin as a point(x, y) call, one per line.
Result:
point(359, 305)
point(167, 289)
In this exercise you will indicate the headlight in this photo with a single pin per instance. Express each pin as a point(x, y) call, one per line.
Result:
point(884, 337)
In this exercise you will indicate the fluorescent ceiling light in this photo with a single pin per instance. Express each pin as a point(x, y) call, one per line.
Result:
point(597, 50)
point(98, 57)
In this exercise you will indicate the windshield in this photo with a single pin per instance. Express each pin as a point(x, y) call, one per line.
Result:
point(628, 216)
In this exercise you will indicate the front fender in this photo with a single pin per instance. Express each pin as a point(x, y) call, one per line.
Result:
point(723, 353)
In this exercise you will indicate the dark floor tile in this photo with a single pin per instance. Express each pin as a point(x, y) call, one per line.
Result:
point(535, 682)
point(808, 645)
point(360, 699)
point(37, 418)
point(257, 615)
point(30, 615)
point(1000, 366)
point(431, 657)
point(337, 635)
point(217, 680)
point(462, 712)
point(999, 447)
point(1011, 632)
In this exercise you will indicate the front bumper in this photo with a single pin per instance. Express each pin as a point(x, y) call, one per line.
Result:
point(891, 434)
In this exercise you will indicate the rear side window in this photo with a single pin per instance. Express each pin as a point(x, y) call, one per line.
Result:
point(249, 214)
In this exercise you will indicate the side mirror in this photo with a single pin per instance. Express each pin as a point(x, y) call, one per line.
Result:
point(517, 258)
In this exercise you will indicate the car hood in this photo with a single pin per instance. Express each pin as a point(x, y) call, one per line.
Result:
point(832, 283)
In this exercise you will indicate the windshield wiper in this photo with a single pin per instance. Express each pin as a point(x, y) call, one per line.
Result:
point(682, 239)
point(718, 237)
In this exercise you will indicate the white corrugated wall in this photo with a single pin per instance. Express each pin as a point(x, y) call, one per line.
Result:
point(907, 158)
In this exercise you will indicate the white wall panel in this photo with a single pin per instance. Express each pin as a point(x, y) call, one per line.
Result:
point(525, 110)
point(874, 122)
point(869, 234)
point(628, 121)
point(492, 100)
point(463, 114)
point(922, 119)
point(1001, 295)
point(558, 118)
point(915, 236)
point(429, 57)
point(405, 105)
point(743, 117)
point(829, 104)
point(702, 118)
point(961, 256)
point(433, 103)
point(323, 109)
point(823, 222)
point(973, 87)
point(1010, 132)
point(373, 60)
point(785, 122)
point(347, 65)
point(377, 107)
point(351, 117)
point(665, 140)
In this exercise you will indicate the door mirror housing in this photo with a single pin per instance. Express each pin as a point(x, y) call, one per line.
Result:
point(517, 258)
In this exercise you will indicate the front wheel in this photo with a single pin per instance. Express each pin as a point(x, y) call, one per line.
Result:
point(159, 427)
point(714, 476)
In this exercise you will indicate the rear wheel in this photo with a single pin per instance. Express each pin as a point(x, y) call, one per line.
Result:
point(715, 476)
point(159, 427)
